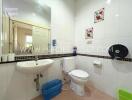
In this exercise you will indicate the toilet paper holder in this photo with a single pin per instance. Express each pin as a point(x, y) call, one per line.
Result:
point(97, 63)
point(118, 51)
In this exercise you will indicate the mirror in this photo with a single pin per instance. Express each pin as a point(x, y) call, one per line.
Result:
point(26, 27)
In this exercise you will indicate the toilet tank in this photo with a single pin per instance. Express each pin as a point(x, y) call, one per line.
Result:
point(68, 64)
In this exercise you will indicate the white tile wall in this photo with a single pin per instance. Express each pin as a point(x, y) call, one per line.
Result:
point(62, 24)
point(15, 85)
point(116, 28)
point(110, 77)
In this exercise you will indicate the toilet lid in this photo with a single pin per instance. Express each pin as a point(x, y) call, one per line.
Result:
point(79, 73)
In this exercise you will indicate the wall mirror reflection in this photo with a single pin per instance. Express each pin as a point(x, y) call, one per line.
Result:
point(26, 27)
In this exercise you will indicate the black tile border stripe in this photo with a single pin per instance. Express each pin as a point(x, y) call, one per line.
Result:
point(105, 57)
point(52, 56)
point(29, 58)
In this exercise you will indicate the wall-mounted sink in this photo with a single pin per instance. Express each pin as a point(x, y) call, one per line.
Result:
point(34, 67)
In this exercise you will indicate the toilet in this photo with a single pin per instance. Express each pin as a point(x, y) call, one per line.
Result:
point(78, 77)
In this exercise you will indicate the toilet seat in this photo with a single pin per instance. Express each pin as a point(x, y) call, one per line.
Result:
point(79, 74)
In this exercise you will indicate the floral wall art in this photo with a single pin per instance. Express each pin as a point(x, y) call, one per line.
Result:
point(89, 33)
point(99, 15)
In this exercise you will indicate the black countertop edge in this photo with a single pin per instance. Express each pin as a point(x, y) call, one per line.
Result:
point(29, 58)
point(105, 57)
point(53, 56)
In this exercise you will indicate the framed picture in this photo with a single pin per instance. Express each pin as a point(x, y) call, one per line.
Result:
point(99, 15)
point(89, 33)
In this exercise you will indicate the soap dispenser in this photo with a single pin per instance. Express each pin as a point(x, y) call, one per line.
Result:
point(74, 51)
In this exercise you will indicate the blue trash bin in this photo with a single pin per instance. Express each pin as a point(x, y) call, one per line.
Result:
point(51, 89)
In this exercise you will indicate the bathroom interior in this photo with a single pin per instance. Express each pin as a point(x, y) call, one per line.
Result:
point(65, 50)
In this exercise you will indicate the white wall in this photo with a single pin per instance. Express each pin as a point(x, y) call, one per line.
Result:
point(15, 85)
point(62, 24)
point(116, 28)
point(110, 77)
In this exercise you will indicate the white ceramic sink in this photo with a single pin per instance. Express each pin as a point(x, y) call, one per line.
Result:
point(34, 67)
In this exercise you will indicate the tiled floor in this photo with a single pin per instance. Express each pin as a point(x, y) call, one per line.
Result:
point(91, 94)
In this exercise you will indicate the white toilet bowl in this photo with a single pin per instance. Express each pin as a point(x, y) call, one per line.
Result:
point(78, 81)
point(78, 77)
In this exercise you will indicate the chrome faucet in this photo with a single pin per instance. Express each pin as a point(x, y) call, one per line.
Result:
point(36, 59)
